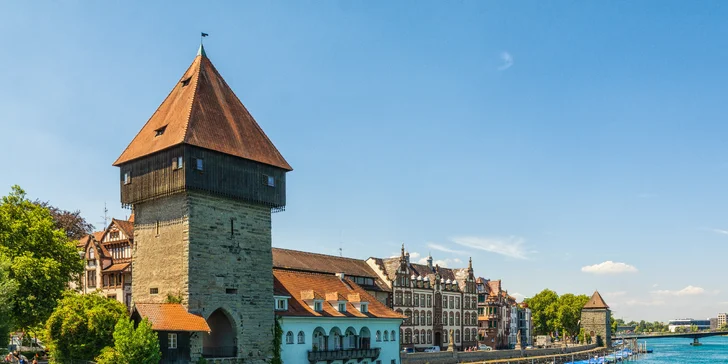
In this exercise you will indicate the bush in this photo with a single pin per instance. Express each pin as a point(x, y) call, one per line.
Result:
point(82, 325)
point(140, 346)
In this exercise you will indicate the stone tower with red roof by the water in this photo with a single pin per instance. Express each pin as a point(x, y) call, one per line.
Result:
point(596, 319)
point(203, 178)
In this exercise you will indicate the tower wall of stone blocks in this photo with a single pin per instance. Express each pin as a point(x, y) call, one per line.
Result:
point(597, 322)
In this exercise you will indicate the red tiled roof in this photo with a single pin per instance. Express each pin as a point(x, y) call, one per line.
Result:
point(202, 110)
point(118, 267)
point(171, 317)
point(126, 226)
point(596, 302)
point(323, 283)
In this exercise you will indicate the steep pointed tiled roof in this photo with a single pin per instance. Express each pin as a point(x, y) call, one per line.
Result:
point(596, 302)
point(126, 226)
point(202, 110)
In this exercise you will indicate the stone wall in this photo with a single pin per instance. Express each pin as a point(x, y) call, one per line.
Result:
point(160, 256)
point(231, 269)
point(466, 357)
point(597, 321)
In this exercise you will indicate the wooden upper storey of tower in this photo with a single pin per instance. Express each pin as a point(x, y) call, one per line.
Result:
point(203, 129)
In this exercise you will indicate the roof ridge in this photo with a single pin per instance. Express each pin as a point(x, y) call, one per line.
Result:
point(320, 254)
point(164, 102)
point(196, 76)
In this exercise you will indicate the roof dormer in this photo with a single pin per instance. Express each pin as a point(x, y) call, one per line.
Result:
point(337, 300)
point(356, 301)
point(313, 299)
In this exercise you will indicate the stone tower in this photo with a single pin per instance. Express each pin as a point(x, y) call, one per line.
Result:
point(202, 179)
point(596, 319)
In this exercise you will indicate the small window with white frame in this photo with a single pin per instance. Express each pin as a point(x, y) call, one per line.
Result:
point(177, 163)
point(281, 304)
point(342, 307)
point(127, 178)
point(199, 164)
point(172, 341)
point(364, 308)
point(318, 306)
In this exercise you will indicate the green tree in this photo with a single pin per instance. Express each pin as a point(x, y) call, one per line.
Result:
point(132, 346)
point(544, 311)
point(43, 259)
point(8, 290)
point(82, 325)
point(568, 311)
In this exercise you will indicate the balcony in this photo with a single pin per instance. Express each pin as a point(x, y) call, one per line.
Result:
point(344, 355)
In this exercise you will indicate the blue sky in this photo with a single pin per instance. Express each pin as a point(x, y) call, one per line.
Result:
point(540, 138)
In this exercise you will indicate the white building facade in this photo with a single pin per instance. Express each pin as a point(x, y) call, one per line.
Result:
point(327, 318)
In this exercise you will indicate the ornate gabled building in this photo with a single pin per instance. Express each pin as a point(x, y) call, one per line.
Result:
point(435, 301)
point(108, 255)
point(494, 313)
point(202, 179)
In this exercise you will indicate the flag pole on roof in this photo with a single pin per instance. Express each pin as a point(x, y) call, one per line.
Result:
point(201, 51)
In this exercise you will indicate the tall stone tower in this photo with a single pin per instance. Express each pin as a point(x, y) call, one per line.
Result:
point(202, 178)
point(596, 318)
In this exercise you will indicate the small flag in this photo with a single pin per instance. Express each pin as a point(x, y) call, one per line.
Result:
point(204, 34)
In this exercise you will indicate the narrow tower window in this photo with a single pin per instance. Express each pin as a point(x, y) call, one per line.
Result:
point(232, 227)
point(269, 181)
point(199, 165)
point(177, 163)
point(127, 178)
point(156, 228)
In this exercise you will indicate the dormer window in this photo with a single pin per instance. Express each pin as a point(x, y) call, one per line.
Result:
point(160, 131)
point(127, 178)
point(318, 306)
point(114, 235)
point(91, 254)
point(342, 307)
point(364, 307)
point(186, 81)
point(281, 303)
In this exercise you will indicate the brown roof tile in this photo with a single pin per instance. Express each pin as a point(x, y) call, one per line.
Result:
point(202, 110)
point(126, 226)
point(596, 302)
point(297, 281)
point(171, 317)
point(313, 262)
point(118, 267)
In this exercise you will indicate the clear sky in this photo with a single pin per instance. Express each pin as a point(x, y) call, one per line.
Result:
point(539, 137)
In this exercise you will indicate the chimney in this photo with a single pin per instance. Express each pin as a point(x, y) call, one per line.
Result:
point(340, 275)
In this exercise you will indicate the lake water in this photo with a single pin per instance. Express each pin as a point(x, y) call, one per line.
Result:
point(678, 350)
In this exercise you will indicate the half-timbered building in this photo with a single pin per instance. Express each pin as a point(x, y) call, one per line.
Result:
point(107, 255)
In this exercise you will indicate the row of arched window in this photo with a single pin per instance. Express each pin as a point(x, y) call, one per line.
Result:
point(301, 337)
point(387, 336)
point(425, 336)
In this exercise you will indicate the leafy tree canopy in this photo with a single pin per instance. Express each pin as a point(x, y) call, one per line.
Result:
point(42, 258)
point(8, 290)
point(71, 222)
point(140, 345)
point(82, 325)
point(551, 313)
